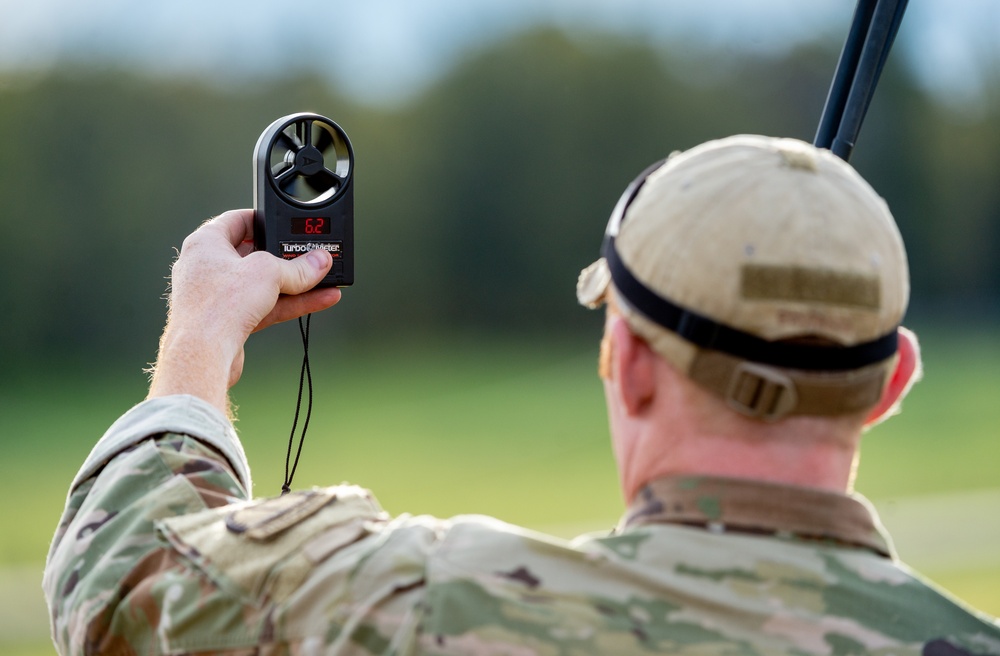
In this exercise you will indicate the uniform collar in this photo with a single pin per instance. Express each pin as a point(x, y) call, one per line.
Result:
point(745, 506)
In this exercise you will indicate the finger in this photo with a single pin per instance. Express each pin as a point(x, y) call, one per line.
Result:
point(303, 273)
point(293, 307)
point(236, 225)
point(236, 369)
point(245, 248)
point(232, 227)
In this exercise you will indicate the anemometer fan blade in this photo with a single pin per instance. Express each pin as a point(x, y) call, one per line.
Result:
point(288, 185)
point(303, 132)
point(285, 175)
point(324, 140)
point(308, 161)
point(323, 181)
point(288, 142)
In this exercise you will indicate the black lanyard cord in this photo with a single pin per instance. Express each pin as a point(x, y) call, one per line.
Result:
point(305, 376)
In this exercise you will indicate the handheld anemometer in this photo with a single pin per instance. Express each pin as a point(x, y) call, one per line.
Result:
point(304, 192)
point(303, 178)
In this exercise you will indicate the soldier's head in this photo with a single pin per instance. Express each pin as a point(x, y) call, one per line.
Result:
point(766, 271)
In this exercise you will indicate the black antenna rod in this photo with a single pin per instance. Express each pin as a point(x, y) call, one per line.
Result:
point(873, 30)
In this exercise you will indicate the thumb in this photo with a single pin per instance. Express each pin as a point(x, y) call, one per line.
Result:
point(304, 272)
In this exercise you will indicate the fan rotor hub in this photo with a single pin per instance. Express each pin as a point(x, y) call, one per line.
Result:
point(309, 160)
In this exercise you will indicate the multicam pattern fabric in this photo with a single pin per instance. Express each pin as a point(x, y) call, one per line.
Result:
point(160, 552)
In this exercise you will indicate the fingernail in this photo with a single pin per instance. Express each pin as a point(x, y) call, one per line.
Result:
point(318, 258)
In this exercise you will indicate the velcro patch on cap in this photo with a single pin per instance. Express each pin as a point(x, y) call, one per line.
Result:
point(766, 282)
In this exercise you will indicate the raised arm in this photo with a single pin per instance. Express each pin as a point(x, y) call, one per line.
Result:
point(115, 583)
point(220, 293)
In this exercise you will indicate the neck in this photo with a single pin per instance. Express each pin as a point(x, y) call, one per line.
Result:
point(789, 459)
point(686, 432)
point(663, 423)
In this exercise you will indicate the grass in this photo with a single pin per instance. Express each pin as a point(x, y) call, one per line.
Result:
point(515, 430)
point(503, 431)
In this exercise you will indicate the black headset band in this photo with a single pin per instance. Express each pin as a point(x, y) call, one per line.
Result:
point(707, 333)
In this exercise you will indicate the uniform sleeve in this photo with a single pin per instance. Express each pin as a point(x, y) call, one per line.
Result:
point(148, 466)
point(160, 551)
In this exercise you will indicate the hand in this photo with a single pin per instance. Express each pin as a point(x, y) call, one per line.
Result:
point(221, 292)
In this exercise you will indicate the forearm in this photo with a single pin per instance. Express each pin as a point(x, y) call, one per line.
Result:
point(194, 361)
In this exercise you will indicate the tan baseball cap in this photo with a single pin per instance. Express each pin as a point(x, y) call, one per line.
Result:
point(761, 267)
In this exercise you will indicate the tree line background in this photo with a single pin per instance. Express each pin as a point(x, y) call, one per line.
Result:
point(477, 201)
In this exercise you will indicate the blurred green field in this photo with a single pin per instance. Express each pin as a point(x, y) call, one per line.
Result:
point(512, 429)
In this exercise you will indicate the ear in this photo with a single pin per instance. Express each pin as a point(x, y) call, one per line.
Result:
point(908, 371)
point(632, 368)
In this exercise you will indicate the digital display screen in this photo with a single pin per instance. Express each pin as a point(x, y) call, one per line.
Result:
point(311, 225)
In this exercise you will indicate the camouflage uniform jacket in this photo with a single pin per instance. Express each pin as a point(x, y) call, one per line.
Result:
point(160, 552)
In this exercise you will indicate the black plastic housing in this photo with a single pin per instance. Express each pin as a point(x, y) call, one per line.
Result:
point(297, 187)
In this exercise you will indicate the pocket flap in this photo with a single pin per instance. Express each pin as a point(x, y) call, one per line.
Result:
point(241, 545)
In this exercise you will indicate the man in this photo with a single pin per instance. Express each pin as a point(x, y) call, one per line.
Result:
point(754, 290)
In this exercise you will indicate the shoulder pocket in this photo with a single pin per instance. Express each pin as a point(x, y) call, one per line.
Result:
point(255, 549)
